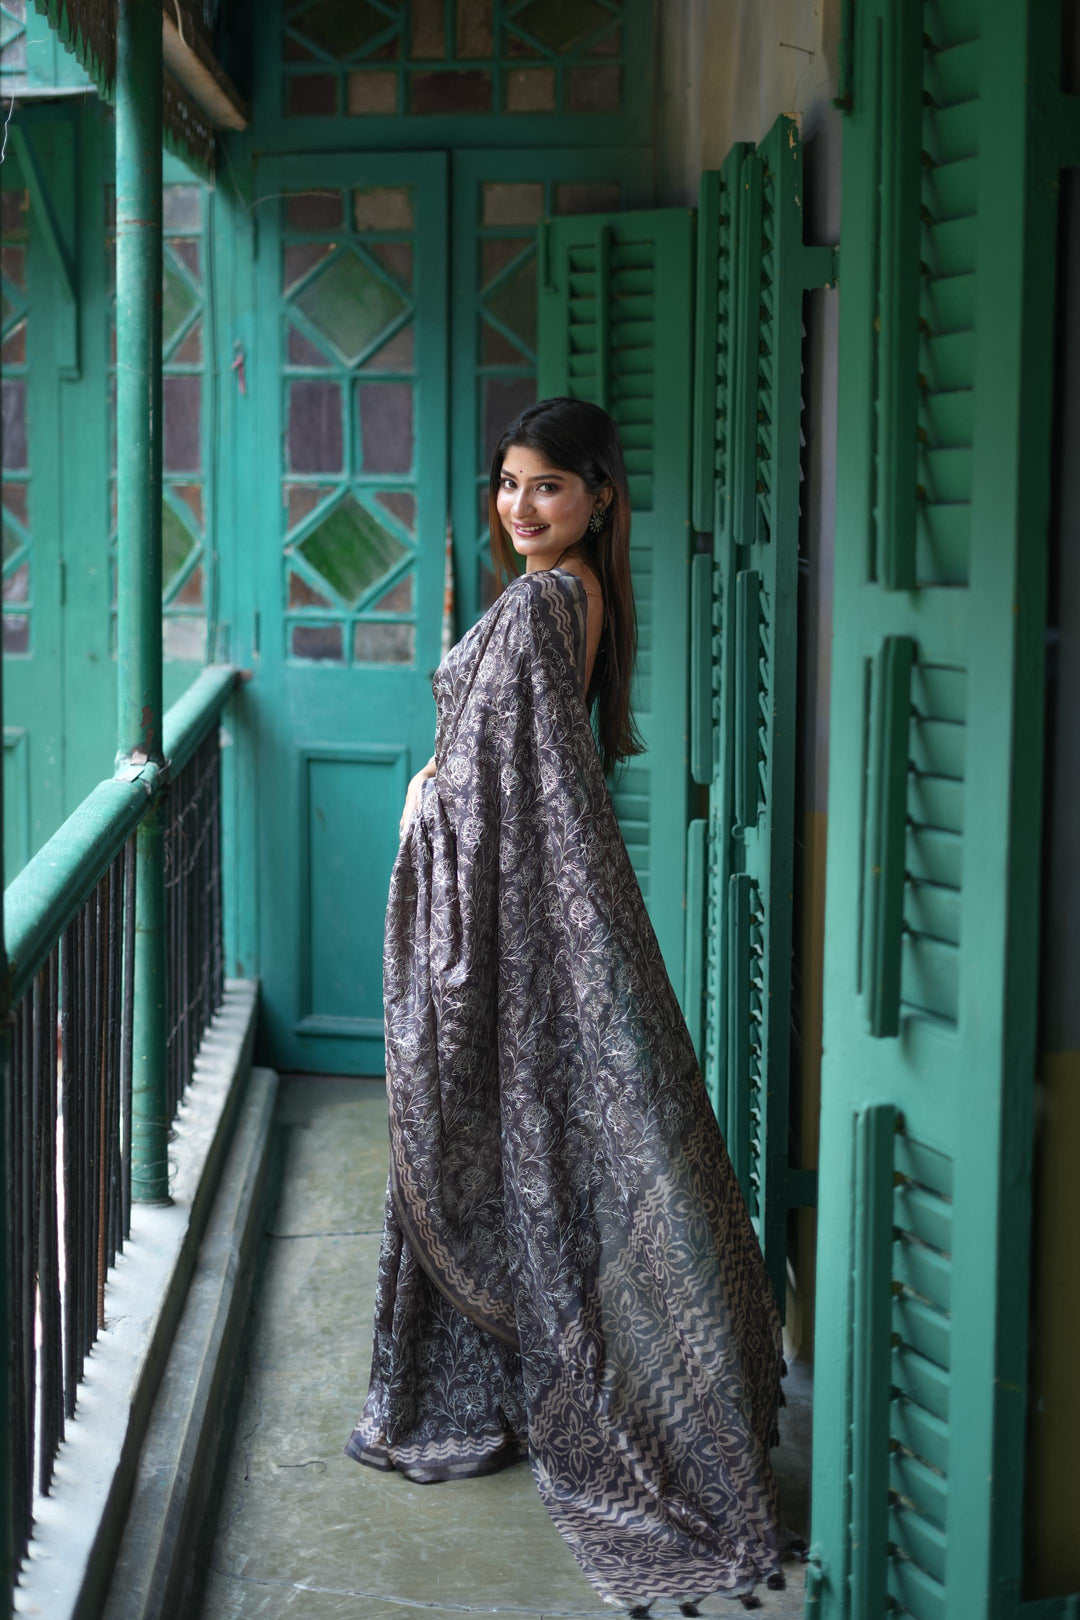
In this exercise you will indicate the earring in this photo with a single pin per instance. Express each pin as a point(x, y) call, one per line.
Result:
point(596, 522)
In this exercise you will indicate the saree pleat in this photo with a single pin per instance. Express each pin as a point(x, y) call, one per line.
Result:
point(568, 1267)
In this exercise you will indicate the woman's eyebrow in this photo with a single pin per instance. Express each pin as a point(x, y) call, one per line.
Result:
point(538, 478)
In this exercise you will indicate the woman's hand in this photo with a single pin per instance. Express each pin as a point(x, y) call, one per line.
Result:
point(412, 796)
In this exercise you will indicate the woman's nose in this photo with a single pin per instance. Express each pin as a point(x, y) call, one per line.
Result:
point(522, 507)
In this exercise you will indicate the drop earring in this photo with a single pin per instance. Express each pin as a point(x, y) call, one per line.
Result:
point(596, 522)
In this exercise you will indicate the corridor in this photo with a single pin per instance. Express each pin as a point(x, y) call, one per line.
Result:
point(302, 1530)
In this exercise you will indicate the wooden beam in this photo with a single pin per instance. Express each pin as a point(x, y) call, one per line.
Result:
point(192, 64)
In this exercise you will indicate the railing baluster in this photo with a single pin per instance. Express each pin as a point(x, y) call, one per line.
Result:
point(67, 1154)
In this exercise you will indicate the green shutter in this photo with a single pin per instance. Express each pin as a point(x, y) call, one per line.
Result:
point(747, 470)
point(951, 158)
point(615, 328)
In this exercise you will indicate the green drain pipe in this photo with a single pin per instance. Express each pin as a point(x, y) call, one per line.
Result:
point(138, 489)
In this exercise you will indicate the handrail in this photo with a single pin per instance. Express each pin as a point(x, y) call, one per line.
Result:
point(44, 897)
point(191, 716)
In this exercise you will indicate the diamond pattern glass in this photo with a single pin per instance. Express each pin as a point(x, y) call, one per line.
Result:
point(562, 24)
point(351, 550)
point(350, 304)
point(340, 27)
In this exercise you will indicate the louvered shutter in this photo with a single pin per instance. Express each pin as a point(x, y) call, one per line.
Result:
point(748, 411)
point(934, 791)
point(615, 328)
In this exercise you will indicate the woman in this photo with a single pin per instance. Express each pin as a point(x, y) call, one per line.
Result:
point(568, 1269)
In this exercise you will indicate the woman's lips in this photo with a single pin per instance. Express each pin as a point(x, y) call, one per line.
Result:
point(529, 531)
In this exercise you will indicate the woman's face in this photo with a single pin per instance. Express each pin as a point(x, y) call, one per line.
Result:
point(543, 509)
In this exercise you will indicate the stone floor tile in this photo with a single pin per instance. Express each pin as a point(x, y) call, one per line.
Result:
point(306, 1532)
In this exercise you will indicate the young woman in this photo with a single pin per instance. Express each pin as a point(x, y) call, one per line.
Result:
point(568, 1268)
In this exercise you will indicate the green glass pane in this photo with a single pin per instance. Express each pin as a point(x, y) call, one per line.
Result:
point(341, 27)
point(350, 304)
point(562, 24)
point(177, 304)
point(176, 545)
point(351, 550)
point(12, 543)
point(513, 302)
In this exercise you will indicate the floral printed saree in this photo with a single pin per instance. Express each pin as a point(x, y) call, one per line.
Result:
point(568, 1269)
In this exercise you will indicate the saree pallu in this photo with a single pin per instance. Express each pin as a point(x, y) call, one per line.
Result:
point(568, 1268)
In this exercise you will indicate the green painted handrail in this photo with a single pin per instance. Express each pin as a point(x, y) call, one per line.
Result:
point(191, 716)
point(41, 901)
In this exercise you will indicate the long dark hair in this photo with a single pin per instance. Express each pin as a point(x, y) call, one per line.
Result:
point(578, 437)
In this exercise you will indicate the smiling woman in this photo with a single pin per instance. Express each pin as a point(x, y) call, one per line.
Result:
point(568, 1269)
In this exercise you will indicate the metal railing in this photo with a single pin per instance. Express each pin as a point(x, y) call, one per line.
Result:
point(68, 1161)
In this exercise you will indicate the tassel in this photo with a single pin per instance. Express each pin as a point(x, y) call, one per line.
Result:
point(776, 1583)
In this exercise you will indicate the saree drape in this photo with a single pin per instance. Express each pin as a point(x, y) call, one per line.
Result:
point(568, 1268)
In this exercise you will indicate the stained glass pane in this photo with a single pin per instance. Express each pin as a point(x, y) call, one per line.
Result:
point(595, 89)
point(293, 51)
point(398, 599)
point(318, 641)
point(497, 350)
point(396, 257)
point(316, 440)
point(385, 411)
point(340, 27)
point(513, 301)
point(497, 251)
point(181, 208)
point(13, 416)
point(609, 44)
point(383, 208)
point(384, 643)
point(516, 46)
point(314, 211)
point(397, 355)
point(475, 28)
point(13, 263)
point(191, 495)
point(350, 304)
point(14, 498)
point(177, 304)
point(182, 423)
point(508, 202)
point(302, 499)
point(190, 593)
point(17, 584)
point(371, 92)
point(504, 398)
point(530, 90)
point(427, 29)
point(351, 549)
point(16, 635)
point(587, 199)
point(176, 545)
point(302, 595)
point(401, 504)
point(184, 638)
point(304, 353)
point(13, 352)
point(187, 251)
point(311, 95)
point(467, 90)
point(13, 210)
point(189, 352)
point(562, 24)
point(300, 257)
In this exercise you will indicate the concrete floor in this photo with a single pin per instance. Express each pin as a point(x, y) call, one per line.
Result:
point(303, 1531)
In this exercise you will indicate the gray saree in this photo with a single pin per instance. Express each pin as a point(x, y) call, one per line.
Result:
point(568, 1269)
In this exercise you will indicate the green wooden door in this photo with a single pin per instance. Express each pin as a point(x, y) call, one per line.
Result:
point(753, 269)
point(950, 168)
point(616, 299)
point(35, 348)
point(348, 543)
